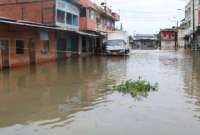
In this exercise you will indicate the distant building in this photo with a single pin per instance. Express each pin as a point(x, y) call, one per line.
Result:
point(168, 39)
point(145, 41)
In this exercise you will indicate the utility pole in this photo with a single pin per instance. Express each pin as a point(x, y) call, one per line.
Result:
point(177, 33)
point(193, 32)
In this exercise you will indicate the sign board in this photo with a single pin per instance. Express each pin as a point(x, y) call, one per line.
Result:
point(44, 35)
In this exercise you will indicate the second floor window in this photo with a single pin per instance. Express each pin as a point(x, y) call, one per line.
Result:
point(72, 19)
point(83, 12)
point(75, 20)
point(69, 18)
point(92, 15)
point(60, 16)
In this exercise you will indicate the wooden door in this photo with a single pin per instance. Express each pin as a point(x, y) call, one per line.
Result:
point(4, 48)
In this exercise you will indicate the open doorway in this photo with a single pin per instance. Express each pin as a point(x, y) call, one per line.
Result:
point(61, 48)
point(84, 46)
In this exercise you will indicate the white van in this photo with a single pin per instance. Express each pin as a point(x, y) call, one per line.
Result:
point(117, 43)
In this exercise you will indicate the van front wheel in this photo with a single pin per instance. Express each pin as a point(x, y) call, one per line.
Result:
point(127, 51)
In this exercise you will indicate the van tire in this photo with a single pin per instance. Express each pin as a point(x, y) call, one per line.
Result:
point(127, 51)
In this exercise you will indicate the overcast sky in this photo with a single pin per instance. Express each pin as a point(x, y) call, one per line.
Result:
point(147, 16)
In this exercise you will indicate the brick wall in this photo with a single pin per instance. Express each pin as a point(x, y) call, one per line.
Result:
point(51, 55)
point(10, 34)
point(86, 3)
point(39, 11)
point(87, 24)
point(13, 33)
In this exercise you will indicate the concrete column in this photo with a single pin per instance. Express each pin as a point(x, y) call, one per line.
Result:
point(80, 45)
point(92, 45)
point(101, 44)
point(87, 45)
point(95, 44)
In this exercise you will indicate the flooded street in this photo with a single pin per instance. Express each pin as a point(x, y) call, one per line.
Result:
point(74, 97)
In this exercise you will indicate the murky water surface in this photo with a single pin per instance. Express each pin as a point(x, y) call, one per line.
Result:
point(73, 97)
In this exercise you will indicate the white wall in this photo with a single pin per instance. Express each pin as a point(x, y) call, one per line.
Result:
point(189, 17)
point(168, 45)
point(181, 35)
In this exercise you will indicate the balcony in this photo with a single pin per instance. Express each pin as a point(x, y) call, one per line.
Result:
point(116, 16)
point(105, 11)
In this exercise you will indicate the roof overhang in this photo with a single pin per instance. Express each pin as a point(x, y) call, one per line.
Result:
point(24, 23)
point(41, 26)
point(86, 34)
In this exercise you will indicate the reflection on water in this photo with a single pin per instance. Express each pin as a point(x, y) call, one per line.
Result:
point(192, 82)
point(54, 91)
point(73, 97)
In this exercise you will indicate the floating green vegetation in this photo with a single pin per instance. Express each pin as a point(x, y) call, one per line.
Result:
point(136, 88)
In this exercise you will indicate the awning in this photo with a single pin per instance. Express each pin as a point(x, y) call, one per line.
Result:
point(86, 34)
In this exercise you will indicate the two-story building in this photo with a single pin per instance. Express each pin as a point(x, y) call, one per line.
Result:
point(97, 20)
point(37, 31)
point(25, 35)
point(66, 17)
point(106, 19)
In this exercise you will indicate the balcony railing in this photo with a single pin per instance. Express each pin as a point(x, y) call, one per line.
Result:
point(107, 12)
point(116, 16)
point(74, 1)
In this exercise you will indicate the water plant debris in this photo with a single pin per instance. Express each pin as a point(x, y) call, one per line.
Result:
point(136, 88)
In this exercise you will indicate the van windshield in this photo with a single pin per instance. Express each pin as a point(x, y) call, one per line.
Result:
point(115, 43)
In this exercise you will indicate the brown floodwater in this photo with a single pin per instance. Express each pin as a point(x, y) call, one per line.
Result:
point(74, 97)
